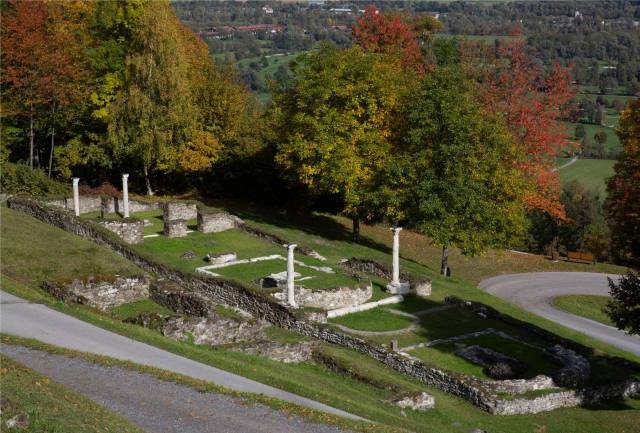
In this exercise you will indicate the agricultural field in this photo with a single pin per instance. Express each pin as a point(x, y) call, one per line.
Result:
point(592, 174)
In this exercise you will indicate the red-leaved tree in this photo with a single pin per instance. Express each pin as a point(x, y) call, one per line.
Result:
point(388, 34)
point(533, 101)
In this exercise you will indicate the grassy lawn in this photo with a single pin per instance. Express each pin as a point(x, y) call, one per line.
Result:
point(377, 319)
point(590, 173)
point(52, 407)
point(612, 143)
point(133, 309)
point(589, 306)
point(310, 380)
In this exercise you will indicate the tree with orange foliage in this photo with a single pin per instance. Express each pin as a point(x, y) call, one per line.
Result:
point(43, 66)
point(389, 34)
point(532, 101)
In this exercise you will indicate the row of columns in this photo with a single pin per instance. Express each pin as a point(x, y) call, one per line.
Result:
point(125, 195)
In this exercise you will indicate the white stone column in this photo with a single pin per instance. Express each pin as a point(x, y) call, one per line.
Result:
point(396, 256)
point(125, 194)
point(396, 286)
point(290, 274)
point(76, 196)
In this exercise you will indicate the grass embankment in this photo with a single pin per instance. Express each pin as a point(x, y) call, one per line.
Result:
point(589, 306)
point(51, 407)
point(592, 174)
point(310, 380)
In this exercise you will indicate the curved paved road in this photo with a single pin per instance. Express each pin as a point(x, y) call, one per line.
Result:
point(535, 291)
point(24, 319)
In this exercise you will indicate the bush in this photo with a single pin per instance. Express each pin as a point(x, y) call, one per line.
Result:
point(105, 189)
point(20, 179)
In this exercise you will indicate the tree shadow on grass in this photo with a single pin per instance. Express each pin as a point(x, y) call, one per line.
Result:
point(309, 223)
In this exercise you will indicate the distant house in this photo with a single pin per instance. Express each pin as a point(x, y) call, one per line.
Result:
point(267, 9)
point(344, 11)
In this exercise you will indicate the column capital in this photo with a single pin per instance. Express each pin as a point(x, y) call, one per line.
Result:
point(395, 229)
point(291, 246)
point(75, 179)
point(125, 175)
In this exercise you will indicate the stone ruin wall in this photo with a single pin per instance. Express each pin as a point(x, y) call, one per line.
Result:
point(176, 210)
point(132, 232)
point(97, 203)
point(261, 307)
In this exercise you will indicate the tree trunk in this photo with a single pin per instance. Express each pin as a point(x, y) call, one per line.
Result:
point(53, 134)
point(444, 265)
point(356, 229)
point(147, 181)
point(31, 138)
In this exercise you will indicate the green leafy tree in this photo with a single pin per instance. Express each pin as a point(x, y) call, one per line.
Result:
point(465, 182)
point(336, 119)
point(624, 307)
point(157, 120)
point(623, 198)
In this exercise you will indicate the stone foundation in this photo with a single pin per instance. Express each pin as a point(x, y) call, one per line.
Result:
point(329, 299)
point(213, 331)
point(288, 353)
point(576, 370)
point(495, 364)
point(177, 210)
point(103, 204)
point(100, 293)
point(175, 298)
point(221, 258)
point(423, 288)
point(420, 401)
point(175, 228)
point(217, 222)
point(129, 230)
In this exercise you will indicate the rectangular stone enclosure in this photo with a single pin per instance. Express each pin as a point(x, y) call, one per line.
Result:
point(215, 222)
point(175, 228)
point(132, 232)
point(176, 210)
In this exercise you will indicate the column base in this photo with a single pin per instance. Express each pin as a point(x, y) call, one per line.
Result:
point(399, 288)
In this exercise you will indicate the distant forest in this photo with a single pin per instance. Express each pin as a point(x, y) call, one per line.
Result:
point(601, 39)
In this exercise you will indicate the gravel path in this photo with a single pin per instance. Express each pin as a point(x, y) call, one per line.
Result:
point(24, 319)
point(535, 292)
point(567, 164)
point(158, 406)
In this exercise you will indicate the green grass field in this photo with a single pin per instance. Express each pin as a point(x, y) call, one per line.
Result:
point(589, 306)
point(346, 391)
point(611, 144)
point(592, 174)
point(52, 407)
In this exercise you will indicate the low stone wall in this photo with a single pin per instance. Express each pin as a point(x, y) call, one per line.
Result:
point(217, 222)
point(175, 298)
point(364, 307)
point(237, 295)
point(558, 400)
point(97, 203)
point(329, 299)
point(175, 228)
point(101, 293)
point(130, 231)
point(178, 210)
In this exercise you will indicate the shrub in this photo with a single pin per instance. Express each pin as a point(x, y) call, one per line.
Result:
point(105, 189)
point(20, 179)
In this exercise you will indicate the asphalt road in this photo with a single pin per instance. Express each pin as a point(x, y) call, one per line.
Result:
point(23, 319)
point(535, 291)
point(158, 406)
